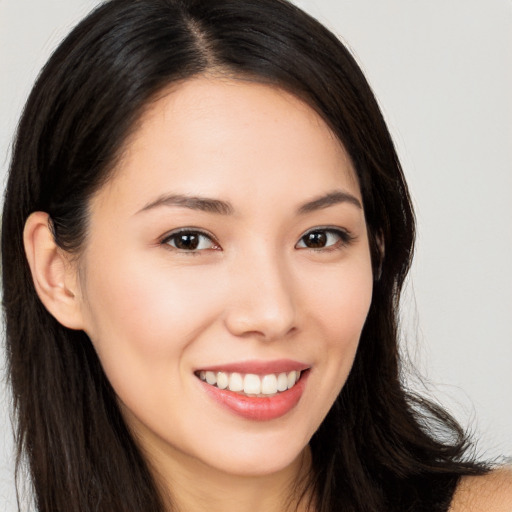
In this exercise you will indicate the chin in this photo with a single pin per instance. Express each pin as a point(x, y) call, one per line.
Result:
point(257, 456)
point(260, 465)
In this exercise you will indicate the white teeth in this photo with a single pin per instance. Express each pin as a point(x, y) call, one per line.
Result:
point(235, 382)
point(292, 378)
point(269, 384)
point(282, 382)
point(222, 380)
point(251, 384)
point(211, 378)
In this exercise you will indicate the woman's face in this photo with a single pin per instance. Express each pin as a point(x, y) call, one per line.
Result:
point(229, 250)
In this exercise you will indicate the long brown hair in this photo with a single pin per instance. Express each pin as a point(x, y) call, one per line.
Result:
point(378, 449)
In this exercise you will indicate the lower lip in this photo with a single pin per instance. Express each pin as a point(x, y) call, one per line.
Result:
point(259, 408)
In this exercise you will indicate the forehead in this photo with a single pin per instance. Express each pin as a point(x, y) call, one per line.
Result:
point(221, 137)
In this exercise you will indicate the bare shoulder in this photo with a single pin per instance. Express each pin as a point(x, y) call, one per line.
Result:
point(487, 493)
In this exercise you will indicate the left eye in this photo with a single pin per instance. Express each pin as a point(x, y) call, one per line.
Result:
point(322, 238)
point(190, 241)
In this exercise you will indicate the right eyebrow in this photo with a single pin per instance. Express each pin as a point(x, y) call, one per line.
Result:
point(329, 199)
point(204, 204)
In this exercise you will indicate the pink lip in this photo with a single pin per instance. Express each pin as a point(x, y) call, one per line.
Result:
point(258, 408)
point(259, 367)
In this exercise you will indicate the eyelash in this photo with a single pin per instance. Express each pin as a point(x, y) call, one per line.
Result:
point(190, 232)
point(344, 239)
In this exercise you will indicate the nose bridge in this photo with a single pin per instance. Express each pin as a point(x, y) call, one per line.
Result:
point(262, 301)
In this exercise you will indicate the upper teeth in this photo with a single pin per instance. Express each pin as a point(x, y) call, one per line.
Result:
point(250, 383)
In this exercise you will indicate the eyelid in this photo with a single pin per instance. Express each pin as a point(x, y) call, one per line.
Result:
point(164, 240)
point(346, 237)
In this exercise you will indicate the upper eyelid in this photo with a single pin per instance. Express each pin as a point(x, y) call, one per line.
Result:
point(335, 229)
point(165, 241)
point(164, 238)
point(346, 237)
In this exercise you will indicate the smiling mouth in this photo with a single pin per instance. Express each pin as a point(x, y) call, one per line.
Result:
point(250, 384)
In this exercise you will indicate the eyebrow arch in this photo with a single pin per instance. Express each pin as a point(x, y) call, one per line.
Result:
point(329, 199)
point(204, 204)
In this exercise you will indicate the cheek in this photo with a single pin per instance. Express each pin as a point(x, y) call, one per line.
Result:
point(340, 303)
point(142, 315)
point(341, 299)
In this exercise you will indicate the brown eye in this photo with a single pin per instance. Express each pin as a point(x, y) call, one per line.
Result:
point(315, 239)
point(190, 241)
point(323, 239)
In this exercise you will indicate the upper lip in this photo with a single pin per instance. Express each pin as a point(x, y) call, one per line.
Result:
point(258, 367)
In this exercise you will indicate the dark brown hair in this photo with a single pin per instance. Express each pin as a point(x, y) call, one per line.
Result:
point(380, 448)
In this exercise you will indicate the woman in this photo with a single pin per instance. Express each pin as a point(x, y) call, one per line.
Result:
point(205, 234)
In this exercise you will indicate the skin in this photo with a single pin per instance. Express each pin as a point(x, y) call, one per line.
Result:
point(492, 492)
point(156, 314)
point(252, 289)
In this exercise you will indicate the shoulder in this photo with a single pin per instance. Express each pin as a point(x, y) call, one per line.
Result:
point(487, 493)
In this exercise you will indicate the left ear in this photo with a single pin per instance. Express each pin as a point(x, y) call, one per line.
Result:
point(54, 273)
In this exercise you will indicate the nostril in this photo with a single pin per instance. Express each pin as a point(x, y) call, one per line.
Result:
point(254, 322)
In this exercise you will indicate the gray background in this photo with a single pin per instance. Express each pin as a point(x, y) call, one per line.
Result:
point(441, 70)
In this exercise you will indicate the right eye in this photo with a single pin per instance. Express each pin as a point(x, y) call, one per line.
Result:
point(190, 241)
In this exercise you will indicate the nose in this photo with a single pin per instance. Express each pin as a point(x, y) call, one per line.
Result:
point(262, 302)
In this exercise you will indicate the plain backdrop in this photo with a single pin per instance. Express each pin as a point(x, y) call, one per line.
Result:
point(442, 72)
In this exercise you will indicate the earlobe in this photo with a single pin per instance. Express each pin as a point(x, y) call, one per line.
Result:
point(53, 273)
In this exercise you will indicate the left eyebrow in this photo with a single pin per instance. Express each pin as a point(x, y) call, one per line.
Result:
point(329, 199)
